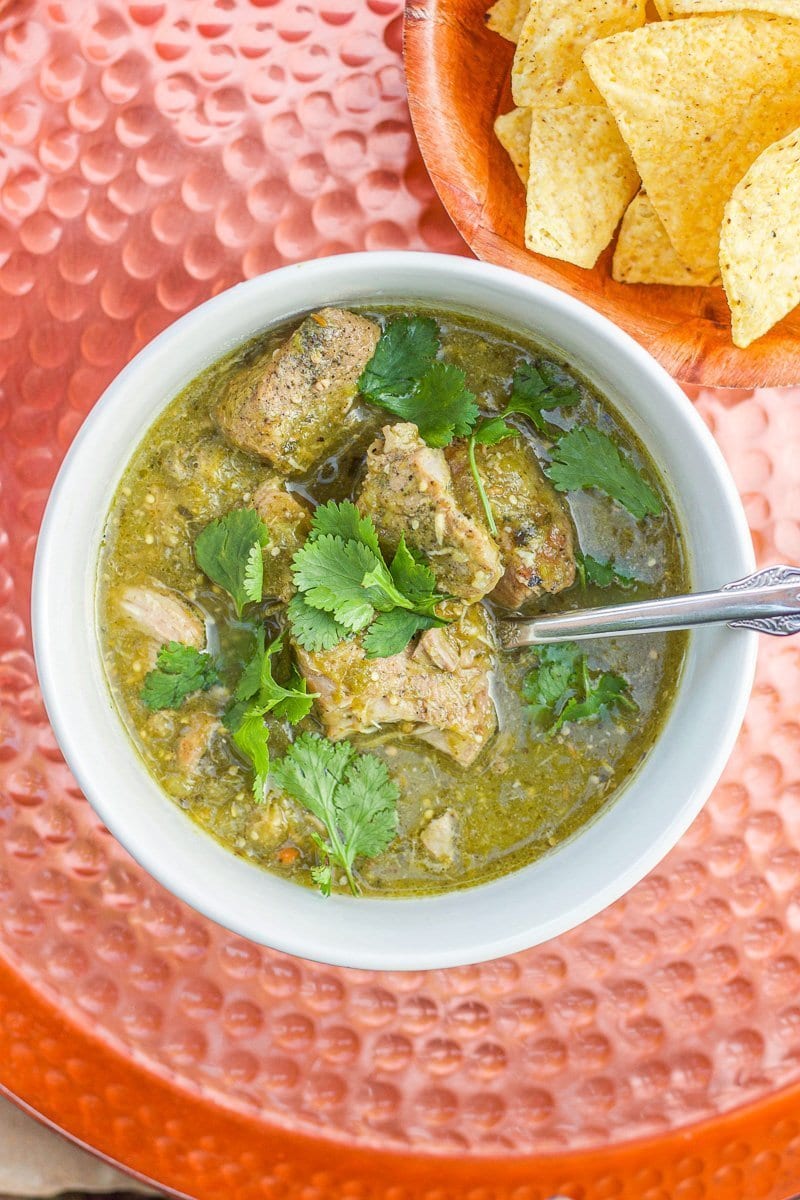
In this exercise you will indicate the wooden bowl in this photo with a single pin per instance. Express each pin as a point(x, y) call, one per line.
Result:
point(458, 80)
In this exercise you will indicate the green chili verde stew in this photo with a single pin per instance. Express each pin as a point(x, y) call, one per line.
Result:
point(299, 582)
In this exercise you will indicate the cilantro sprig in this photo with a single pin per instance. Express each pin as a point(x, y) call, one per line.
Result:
point(601, 574)
point(352, 796)
point(586, 458)
point(344, 585)
point(256, 694)
point(562, 688)
point(229, 552)
point(403, 377)
point(534, 391)
point(180, 670)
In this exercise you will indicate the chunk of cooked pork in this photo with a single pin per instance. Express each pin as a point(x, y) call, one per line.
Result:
point(163, 615)
point(439, 836)
point(408, 490)
point(534, 530)
point(288, 519)
point(449, 707)
point(290, 406)
point(195, 740)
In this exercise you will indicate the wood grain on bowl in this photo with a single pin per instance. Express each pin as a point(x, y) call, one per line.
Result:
point(458, 81)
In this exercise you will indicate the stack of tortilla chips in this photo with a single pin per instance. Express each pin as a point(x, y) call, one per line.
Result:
point(685, 127)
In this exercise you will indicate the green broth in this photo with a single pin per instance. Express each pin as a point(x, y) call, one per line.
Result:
point(528, 790)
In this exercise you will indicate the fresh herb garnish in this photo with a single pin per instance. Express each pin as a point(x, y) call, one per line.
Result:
point(537, 390)
point(403, 378)
point(587, 458)
point(252, 740)
point(562, 688)
point(406, 349)
point(345, 586)
point(179, 671)
point(352, 795)
point(258, 693)
point(601, 574)
point(229, 552)
point(534, 390)
point(313, 628)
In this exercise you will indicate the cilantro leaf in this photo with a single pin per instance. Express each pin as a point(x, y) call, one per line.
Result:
point(551, 681)
point(391, 632)
point(292, 702)
point(441, 406)
point(403, 377)
point(179, 671)
point(228, 551)
point(492, 430)
point(342, 519)
point(345, 586)
point(250, 678)
point(350, 794)
point(252, 739)
point(310, 772)
point(587, 458)
point(342, 578)
point(323, 877)
point(256, 694)
point(601, 574)
point(413, 578)
point(366, 807)
point(296, 700)
point(561, 687)
point(607, 692)
point(536, 390)
point(405, 351)
point(312, 628)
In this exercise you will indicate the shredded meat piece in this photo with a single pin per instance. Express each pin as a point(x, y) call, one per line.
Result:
point(408, 490)
point(449, 708)
point(163, 615)
point(534, 531)
point(195, 740)
point(438, 836)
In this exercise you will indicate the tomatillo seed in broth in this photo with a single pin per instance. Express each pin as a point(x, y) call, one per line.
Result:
point(318, 685)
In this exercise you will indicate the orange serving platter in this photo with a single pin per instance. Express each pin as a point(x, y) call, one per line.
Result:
point(154, 153)
point(458, 81)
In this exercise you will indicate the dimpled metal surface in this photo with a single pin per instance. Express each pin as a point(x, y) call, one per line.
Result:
point(152, 155)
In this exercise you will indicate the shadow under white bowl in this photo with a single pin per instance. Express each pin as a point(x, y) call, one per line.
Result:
point(578, 878)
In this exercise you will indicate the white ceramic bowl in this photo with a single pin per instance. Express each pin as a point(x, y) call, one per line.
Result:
point(579, 877)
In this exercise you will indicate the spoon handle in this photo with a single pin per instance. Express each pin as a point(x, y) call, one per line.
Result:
point(768, 601)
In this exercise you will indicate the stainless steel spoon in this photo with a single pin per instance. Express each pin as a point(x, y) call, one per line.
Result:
point(768, 601)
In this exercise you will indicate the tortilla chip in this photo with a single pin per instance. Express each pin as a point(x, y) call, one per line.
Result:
point(547, 66)
point(697, 101)
point(759, 249)
point(644, 253)
point(669, 9)
point(513, 131)
point(581, 180)
point(506, 17)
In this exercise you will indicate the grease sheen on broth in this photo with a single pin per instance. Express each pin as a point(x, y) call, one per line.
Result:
point(528, 791)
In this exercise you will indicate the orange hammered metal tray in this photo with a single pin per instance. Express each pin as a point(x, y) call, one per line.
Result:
point(152, 154)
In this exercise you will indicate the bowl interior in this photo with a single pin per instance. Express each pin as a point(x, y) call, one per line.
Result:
point(579, 877)
point(458, 75)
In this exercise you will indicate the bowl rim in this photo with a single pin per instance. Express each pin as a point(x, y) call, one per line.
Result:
point(173, 848)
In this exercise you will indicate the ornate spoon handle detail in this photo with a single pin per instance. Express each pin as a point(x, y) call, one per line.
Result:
point(768, 601)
